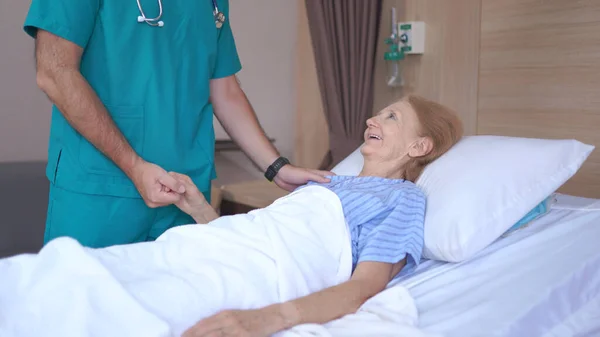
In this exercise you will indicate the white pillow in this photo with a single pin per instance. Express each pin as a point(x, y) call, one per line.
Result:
point(483, 186)
point(351, 165)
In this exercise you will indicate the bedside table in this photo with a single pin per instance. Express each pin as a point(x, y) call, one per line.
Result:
point(246, 196)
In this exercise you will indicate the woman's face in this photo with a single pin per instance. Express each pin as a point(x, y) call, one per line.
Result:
point(392, 134)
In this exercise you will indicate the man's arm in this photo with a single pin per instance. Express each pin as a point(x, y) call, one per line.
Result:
point(234, 112)
point(58, 76)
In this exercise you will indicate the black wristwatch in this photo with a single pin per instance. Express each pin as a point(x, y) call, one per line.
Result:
point(274, 168)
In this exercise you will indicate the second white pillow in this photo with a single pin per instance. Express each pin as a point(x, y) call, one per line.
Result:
point(485, 184)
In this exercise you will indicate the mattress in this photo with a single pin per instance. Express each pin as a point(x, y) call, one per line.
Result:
point(542, 280)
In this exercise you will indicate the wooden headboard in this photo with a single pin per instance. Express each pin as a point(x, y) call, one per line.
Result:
point(539, 76)
point(527, 68)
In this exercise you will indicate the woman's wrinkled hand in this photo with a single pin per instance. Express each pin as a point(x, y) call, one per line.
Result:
point(192, 199)
point(237, 323)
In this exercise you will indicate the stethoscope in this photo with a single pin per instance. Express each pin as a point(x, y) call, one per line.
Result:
point(157, 22)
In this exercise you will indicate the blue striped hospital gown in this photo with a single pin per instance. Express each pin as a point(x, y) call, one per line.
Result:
point(385, 218)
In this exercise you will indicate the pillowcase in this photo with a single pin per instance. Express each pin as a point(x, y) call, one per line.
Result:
point(351, 165)
point(537, 212)
point(483, 186)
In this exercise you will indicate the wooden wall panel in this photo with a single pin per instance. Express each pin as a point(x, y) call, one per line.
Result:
point(526, 68)
point(311, 130)
point(448, 70)
point(540, 76)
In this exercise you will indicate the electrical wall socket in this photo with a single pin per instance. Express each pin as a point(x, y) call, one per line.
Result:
point(412, 37)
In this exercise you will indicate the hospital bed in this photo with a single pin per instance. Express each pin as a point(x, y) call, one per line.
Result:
point(542, 280)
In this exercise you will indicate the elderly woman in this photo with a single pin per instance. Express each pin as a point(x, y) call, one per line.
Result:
point(381, 212)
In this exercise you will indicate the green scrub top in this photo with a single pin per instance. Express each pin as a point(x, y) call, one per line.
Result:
point(154, 81)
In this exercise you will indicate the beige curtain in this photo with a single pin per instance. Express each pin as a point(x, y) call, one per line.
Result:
point(344, 35)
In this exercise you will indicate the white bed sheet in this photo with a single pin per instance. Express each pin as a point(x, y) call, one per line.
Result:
point(542, 280)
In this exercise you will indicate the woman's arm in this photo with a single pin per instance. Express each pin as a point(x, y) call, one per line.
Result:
point(368, 279)
point(193, 201)
point(204, 214)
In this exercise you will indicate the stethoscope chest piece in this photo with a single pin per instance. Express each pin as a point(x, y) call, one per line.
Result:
point(218, 15)
point(219, 19)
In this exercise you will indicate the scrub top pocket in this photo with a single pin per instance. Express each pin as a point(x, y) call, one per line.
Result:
point(130, 121)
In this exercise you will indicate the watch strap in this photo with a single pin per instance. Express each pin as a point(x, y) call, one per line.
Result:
point(274, 168)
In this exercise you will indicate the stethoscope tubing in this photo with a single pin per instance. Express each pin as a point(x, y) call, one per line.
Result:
point(157, 22)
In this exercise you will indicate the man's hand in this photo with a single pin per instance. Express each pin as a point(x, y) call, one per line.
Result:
point(239, 323)
point(155, 185)
point(291, 177)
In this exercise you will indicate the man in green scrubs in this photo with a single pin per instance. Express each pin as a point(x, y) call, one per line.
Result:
point(133, 101)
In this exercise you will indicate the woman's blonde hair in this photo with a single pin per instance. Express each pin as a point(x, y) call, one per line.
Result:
point(438, 123)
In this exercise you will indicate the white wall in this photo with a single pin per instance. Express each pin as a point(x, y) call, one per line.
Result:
point(24, 110)
point(265, 31)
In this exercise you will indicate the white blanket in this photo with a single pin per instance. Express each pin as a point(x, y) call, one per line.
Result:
point(296, 246)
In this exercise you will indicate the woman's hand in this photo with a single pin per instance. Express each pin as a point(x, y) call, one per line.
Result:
point(239, 323)
point(192, 199)
point(193, 202)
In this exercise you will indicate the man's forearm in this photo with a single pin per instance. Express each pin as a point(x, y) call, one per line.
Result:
point(239, 120)
point(82, 108)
